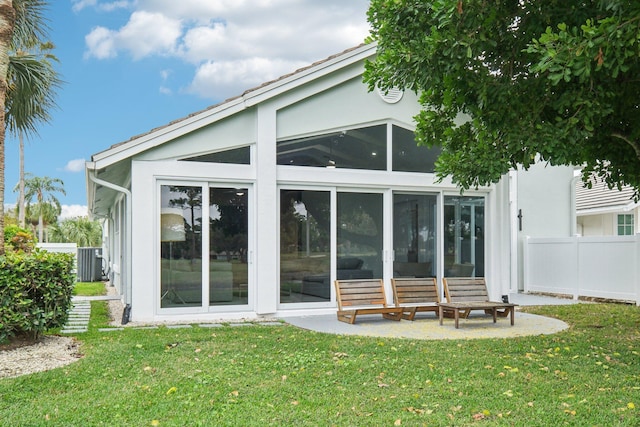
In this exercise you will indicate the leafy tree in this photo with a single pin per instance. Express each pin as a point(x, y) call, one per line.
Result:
point(42, 188)
point(21, 27)
point(82, 231)
point(508, 83)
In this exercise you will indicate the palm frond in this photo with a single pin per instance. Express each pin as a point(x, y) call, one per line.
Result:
point(32, 81)
point(31, 25)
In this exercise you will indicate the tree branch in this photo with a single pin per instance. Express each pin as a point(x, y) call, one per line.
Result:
point(634, 144)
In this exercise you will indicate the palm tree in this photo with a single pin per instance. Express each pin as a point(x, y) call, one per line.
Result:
point(41, 188)
point(49, 213)
point(30, 96)
point(22, 27)
point(82, 231)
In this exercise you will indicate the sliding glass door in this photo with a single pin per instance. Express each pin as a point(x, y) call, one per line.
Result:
point(464, 236)
point(180, 246)
point(333, 234)
point(305, 246)
point(185, 261)
point(228, 246)
point(414, 235)
point(359, 236)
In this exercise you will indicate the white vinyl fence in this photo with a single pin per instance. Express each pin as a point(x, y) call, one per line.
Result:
point(598, 267)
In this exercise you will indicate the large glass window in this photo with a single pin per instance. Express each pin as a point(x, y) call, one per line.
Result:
point(238, 156)
point(228, 246)
point(364, 148)
point(463, 236)
point(408, 156)
point(414, 235)
point(181, 246)
point(359, 236)
point(305, 246)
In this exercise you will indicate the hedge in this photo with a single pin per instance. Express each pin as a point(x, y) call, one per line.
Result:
point(35, 292)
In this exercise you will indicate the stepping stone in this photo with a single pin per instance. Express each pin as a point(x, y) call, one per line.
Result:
point(74, 331)
point(210, 325)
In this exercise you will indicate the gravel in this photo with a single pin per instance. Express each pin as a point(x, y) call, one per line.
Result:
point(49, 353)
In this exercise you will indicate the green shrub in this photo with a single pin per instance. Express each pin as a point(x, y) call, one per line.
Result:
point(19, 239)
point(35, 292)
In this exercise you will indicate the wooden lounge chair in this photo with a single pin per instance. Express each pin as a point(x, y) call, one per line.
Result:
point(363, 296)
point(465, 294)
point(415, 294)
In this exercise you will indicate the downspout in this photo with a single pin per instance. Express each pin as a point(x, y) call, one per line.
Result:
point(128, 246)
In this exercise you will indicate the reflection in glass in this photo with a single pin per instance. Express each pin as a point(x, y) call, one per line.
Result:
point(414, 235)
point(408, 156)
point(305, 246)
point(238, 156)
point(360, 236)
point(364, 148)
point(228, 244)
point(464, 236)
point(180, 246)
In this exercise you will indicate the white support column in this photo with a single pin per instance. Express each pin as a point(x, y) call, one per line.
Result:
point(265, 259)
point(514, 231)
point(498, 248)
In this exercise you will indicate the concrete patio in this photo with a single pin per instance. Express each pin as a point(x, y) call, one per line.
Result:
point(426, 326)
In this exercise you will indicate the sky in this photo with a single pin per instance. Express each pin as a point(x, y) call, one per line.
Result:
point(130, 66)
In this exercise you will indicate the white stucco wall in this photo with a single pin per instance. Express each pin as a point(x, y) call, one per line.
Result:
point(237, 130)
point(346, 105)
point(544, 200)
point(544, 195)
point(597, 225)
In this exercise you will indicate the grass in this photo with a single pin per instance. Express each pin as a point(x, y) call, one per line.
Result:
point(280, 375)
point(89, 289)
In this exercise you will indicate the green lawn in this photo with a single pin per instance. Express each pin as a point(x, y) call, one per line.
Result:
point(284, 376)
point(89, 289)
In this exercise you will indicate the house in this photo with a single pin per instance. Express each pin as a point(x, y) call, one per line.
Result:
point(252, 207)
point(601, 211)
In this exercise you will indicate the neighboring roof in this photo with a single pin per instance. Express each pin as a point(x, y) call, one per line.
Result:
point(231, 106)
point(600, 199)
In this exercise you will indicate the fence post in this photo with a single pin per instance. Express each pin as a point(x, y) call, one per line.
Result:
point(578, 272)
point(526, 262)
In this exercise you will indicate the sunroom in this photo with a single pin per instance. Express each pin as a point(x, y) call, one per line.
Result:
point(252, 208)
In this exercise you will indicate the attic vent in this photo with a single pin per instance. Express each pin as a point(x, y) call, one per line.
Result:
point(392, 96)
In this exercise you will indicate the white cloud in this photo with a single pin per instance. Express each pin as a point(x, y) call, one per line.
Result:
point(223, 78)
point(73, 211)
point(145, 34)
point(75, 165)
point(233, 45)
point(108, 7)
point(149, 33)
point(101, 43)
point(79, 5)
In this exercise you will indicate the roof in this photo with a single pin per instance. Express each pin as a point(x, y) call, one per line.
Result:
point(232, 105)
point(112, 165)
point(600, 199)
